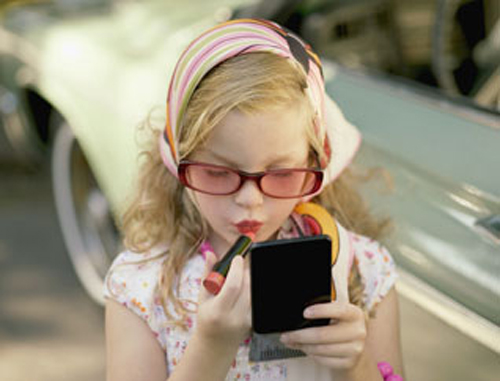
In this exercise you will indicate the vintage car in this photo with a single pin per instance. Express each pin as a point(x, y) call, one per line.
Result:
point(78, 77)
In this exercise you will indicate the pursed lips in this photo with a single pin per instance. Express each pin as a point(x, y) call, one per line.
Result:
point(248, 226)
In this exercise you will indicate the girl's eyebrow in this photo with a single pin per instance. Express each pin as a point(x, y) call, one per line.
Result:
point(276, 159)
point(218, 157)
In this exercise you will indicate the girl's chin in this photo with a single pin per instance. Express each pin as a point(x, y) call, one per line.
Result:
point(262, 237)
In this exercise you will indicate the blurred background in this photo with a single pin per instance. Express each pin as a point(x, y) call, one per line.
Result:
point(56, 222)
point(448, 44)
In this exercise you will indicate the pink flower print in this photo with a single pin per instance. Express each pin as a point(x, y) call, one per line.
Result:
point(247, 377)
point(118, 288)
point(369, 254)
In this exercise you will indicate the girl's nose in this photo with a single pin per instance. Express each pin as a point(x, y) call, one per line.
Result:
point(249, 195)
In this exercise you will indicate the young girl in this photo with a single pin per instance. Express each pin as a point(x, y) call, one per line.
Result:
point(250, 132)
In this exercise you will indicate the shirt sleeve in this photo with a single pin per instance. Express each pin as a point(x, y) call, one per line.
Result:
point(376, 267)
point(132, 280)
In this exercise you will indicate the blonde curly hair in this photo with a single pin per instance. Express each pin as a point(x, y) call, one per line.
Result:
point(161, 211)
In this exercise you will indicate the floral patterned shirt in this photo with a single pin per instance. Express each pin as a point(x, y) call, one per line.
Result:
point(133, 278)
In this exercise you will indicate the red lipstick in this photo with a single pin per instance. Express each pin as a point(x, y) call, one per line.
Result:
point(215, 280)
point(248, 227)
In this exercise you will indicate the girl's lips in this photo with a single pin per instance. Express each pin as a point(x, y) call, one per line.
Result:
point(248, 226)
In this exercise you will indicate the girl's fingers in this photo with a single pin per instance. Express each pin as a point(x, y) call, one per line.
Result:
point(339, 350)
point(231, 289)
point(330, 334)
point(335, 311)
point(210, 260)
point(244, 301)
point(336, 362)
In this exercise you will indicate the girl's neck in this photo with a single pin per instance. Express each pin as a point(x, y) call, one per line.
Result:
point(217, 245)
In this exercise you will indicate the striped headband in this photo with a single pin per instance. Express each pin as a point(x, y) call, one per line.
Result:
point(224, 41)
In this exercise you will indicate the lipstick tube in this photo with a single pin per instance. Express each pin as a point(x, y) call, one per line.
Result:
point(215, 280)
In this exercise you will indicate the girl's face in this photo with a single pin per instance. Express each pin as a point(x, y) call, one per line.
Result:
point(252, 143)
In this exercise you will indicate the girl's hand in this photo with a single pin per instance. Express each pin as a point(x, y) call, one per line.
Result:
point(225, 318)
point(338, 345)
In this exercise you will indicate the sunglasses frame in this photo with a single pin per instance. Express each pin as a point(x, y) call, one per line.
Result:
point(256, 177)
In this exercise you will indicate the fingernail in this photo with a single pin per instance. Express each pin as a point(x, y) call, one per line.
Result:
point(284, 338)
point(308, 312)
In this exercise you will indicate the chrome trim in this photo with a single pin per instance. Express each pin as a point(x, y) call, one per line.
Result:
point(490, 227)
point(449, 311)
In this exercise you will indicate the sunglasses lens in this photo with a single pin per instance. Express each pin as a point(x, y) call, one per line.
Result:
point(292, 183)
point(212, 179)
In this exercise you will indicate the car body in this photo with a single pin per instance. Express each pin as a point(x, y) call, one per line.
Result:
point(77, 80)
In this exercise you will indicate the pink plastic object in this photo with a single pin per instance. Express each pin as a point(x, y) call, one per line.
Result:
point(385, 369)
point(394, 377)
point(387, 372)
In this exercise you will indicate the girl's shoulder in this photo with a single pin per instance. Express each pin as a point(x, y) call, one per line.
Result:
point(132, 280)
point(375, 265)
